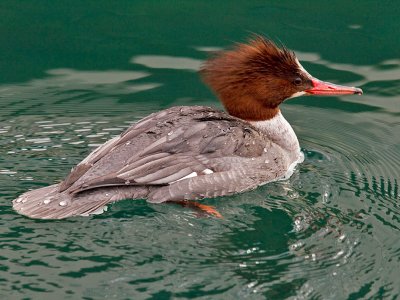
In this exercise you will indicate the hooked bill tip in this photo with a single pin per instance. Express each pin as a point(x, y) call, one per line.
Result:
point(358, 91)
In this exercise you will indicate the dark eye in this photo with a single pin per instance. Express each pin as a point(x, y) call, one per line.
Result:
point(298, 81)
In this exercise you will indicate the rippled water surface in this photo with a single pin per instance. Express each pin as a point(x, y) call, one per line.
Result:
point(73, 76)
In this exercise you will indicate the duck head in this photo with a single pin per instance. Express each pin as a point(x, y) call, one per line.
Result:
point(253, 79)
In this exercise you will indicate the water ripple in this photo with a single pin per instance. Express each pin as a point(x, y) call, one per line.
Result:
point(328, 232)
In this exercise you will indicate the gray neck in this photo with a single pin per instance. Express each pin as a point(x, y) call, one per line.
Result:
point(280, 132)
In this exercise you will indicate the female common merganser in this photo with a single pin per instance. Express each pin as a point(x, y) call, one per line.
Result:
point(192, 152)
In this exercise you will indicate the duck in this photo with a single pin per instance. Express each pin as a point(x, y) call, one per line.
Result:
point(187, 153)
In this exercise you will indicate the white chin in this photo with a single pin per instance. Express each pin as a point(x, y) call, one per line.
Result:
point(297, 94)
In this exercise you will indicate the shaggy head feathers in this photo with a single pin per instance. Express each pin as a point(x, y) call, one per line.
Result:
point(252, 79)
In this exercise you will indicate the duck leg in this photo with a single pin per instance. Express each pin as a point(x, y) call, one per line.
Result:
point(207, 209)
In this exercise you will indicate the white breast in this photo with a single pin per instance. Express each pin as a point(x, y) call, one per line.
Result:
point(280, 132)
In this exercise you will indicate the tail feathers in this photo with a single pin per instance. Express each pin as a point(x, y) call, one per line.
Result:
point(49, 203)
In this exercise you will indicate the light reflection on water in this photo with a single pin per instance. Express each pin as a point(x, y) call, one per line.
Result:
point(327, 232)
point(167, 62)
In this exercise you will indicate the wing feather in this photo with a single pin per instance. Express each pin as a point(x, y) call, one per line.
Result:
point(162, 150)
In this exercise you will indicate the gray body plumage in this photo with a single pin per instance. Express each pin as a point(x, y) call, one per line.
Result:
point(182, 153)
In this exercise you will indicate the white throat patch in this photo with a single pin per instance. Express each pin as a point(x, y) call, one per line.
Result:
point(297, 94)
point(279, 131)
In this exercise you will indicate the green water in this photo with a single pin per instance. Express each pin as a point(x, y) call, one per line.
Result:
point(76, 73)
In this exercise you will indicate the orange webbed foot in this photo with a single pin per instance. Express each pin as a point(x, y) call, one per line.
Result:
point(207, 209)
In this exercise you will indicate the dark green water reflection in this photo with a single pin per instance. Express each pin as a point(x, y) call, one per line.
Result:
point(75, 73)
